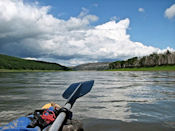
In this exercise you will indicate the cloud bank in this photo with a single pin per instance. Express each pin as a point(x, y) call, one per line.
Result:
point(29, 31)
point(170, 12)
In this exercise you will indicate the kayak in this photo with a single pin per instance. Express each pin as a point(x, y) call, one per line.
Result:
point(51, 116)
point(23, 123)
point(20, 124)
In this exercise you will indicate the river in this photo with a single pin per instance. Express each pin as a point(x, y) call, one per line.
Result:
point(118, 100)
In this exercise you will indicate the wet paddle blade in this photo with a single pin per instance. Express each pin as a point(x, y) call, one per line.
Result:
point(84, 88)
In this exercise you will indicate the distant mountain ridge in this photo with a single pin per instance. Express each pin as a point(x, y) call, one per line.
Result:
point(93, 66)
point(10, 62)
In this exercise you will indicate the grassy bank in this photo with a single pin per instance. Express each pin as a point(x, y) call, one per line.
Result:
point(156, 68)
point(13, 64)
point(12, 70)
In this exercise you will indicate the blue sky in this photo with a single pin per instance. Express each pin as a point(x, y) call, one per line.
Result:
point(72, 32)
point(149, 27)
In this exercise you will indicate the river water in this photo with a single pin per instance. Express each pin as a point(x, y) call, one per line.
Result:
point(118, 101)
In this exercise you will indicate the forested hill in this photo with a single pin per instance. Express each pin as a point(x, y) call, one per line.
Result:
point(152, 60)
point(9, 62)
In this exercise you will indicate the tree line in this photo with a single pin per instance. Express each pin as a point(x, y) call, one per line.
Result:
point(167, 58)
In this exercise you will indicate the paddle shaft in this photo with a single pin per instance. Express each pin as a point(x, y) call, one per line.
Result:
point(60, 119)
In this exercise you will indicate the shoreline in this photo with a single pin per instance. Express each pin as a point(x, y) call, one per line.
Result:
point(156, 68)
point(12, 70)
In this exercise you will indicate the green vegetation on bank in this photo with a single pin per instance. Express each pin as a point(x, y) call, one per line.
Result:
point(19, 70)
point(153, 62)
point(155, 68)
point(14, 64)
point(164, 61)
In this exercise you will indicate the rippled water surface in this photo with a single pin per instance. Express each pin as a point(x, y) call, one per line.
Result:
point(118, 100)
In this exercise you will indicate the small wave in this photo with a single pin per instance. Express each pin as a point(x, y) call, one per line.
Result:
point(113, 101)
point(96, 96)
point(97, 107)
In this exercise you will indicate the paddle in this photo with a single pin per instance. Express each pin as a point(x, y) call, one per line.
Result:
point(73, 92)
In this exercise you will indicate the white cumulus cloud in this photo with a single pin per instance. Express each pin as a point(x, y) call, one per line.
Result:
point(170, 12)
point(29, 31)
point(141, 10)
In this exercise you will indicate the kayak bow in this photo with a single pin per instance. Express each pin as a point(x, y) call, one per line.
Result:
point(73, 92)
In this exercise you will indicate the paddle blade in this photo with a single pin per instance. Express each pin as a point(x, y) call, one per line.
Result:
point(84, 88)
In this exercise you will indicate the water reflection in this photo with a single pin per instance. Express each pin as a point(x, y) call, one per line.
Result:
point(126, 96)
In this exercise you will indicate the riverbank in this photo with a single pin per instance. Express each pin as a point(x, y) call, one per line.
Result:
point(12, 70)
point(13, 64)
point(156, 68)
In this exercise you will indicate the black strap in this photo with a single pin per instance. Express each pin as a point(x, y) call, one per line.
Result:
point(68, 115)
point(66, 111)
